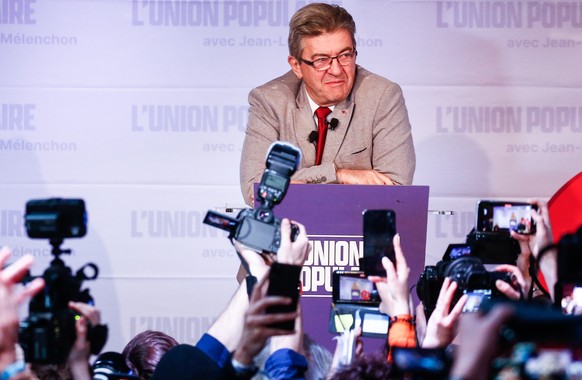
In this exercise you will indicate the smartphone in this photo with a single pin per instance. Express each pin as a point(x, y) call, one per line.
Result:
point(505, 216)
point(379, 231)
point(429, 362)
point(353, 287)
point(475, 299)
point(284, 281)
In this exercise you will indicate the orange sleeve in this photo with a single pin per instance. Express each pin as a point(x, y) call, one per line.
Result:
point(401, 333)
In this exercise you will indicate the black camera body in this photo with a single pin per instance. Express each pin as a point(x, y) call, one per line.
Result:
point(259, 228)
point(48, 333)
point(470, 275)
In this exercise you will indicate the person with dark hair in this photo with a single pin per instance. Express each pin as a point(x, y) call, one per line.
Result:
point(145, 350)
point(327, 96)
point(366, 366)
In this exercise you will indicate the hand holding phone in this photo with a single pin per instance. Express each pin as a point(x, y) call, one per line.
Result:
point(284, 281)
point(505, 216)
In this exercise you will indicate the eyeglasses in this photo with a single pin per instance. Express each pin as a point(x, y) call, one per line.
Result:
point(322, 64)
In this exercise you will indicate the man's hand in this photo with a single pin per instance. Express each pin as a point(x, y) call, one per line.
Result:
point(519, 288)
point(257, 323)
point(479, 340)
point(440, 328)
point(362, 177)
point(258, 263)
point(92, 314)
point(10, 300)
point(293, 252)
point(532, 244)
point(81, 349)
point(393, 289)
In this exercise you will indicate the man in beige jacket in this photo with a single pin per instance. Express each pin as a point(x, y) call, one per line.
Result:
point(368, 139)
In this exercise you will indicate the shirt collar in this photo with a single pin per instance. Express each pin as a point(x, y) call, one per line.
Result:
point(314, 105)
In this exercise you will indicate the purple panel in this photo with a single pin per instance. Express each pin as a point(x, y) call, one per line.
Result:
point(335, 211)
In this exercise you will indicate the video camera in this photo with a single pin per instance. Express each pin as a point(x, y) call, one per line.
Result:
point(259, 228)
point(48, 333)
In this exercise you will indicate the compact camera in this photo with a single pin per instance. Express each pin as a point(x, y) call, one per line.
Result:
point(48, 333)
point(471, 277)
point(259, 228)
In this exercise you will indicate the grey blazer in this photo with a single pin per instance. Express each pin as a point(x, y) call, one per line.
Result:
point(373, 131)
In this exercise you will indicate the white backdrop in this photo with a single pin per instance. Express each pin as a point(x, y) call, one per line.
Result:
point(139, 107)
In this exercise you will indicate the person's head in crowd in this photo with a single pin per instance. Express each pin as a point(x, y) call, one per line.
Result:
point(366, 366)
point(319, 35)
point(52, 372)
point(144, 351)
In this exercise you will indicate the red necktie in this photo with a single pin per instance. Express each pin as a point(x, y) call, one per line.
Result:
point(321, 114)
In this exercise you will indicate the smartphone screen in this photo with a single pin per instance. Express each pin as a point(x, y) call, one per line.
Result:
point(375, 324)
point(353, 287)
point(420, 361)
point(503, 217)
point(379, 231)
point(475, 298)
point(221, 221)
point(284, 281)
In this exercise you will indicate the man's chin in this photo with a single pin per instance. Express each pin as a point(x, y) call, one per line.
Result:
point(336, 95)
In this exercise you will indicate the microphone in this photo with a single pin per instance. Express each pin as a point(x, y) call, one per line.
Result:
point(313, 137)
point(333, 124)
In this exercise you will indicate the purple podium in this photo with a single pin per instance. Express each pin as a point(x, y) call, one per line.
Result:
point(332, 215)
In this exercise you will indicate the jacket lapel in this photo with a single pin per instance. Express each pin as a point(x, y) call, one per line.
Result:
point(303, 126)
point(343, 113)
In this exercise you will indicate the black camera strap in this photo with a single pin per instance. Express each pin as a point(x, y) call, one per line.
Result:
point(533, 271)
point(250, 279)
